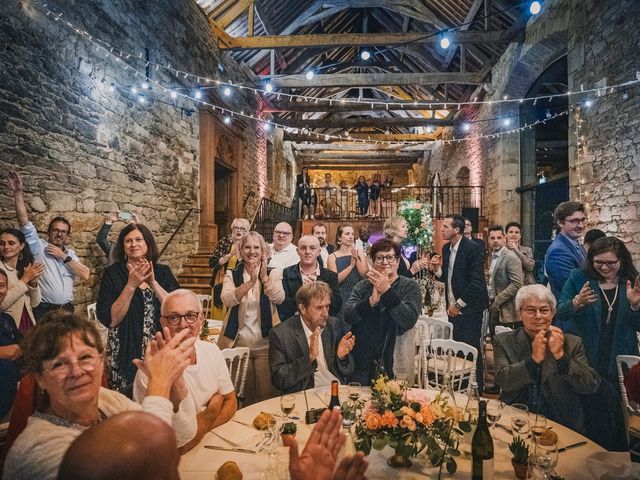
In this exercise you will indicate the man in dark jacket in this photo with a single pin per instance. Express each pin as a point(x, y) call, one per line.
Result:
point(307, 270)
point(310, 349)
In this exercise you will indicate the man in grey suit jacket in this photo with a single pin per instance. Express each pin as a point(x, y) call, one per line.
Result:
point(505, 279)
point(540, 366)
point(310, 349)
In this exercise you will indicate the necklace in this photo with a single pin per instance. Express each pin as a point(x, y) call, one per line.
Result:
point(8, 268)
point(609, 304)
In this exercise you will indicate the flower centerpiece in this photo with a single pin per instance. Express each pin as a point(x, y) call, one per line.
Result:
point(409, 422)
point(419, 224)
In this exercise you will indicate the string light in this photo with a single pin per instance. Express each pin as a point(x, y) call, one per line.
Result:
point(173, 94)
point(444, 41)
point(506, 122)
point(309, 75)
point(365, 55)
point(198, 94)
point(588, 103)
point(227, 91)
point(466, 126)
point(145, 86)
point(535, 7)
point(268, 87)
point(227, 120)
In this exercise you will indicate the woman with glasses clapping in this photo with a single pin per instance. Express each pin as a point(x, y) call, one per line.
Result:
point(601, 301)
point(225, 257)
point(131, 291)
point(380, 308)
point(65, 355)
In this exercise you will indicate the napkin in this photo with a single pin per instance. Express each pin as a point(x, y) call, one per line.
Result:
point(612, 466)
point(236, 433)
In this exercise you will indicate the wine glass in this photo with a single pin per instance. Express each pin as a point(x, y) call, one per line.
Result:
point(354, 391)
point(287, 404)
point(538, 426)
point(519, 419)
point(545, 456)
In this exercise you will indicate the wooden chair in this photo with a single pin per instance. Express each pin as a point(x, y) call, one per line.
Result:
point(238, 364)
point(631, 410)
point(206, 301)
point(448, 356)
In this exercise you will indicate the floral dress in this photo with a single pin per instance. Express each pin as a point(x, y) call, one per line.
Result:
point(348, 283)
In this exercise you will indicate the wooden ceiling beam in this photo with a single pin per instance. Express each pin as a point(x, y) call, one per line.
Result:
point(347, 123)
point(360, 155)
point(352, 146)
point(373, 79)
point(358, 166)
point(370, 39)
point(337, 106)
point(373, 137)
point(234, 12)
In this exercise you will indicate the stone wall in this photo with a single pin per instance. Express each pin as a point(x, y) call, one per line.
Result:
point(601, 44)
point(83, 149)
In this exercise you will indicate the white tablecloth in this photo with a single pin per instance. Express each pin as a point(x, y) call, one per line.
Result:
point(202, 463)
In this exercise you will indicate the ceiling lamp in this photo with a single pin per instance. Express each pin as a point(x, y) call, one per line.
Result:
point(310, 74)
point(268, 87)
point(535, 7)
point(444, 41)
point(365, 55)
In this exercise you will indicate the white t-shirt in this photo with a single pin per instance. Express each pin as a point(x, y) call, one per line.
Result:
point(208, 376)
point(322, 376)
point(284, 258)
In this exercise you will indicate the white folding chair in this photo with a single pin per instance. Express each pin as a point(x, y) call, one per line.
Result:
point(631, 410)
point(91, 315)
point(206, 302)
point(448, 356)
point(238, 363)
point(429, 328)
point(502, 329)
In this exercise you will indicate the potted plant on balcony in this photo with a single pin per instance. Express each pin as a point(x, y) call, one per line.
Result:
point(519, 457)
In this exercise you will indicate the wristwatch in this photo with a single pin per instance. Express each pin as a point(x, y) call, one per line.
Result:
point(457, 305)
point(67, 259)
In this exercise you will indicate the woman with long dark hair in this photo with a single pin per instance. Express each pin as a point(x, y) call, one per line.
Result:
point(131, 291)
point(23, 275)
point(602, 304)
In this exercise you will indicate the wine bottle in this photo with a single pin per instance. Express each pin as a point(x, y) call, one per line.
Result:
point(335, 400)
point(482, 447)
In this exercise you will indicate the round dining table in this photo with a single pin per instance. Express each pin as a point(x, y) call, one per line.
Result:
point(222, 444)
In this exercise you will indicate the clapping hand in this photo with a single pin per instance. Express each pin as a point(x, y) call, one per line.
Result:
point(139, 272)
point(346, 344)
point(379, 280)
point(354, 256)
point(32, 273)
point(318, 459)
point(585, 296)
point(556, 342)
point(633, 292)
point(539, 346)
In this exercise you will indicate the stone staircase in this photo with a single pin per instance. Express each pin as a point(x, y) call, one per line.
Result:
point(196, 273)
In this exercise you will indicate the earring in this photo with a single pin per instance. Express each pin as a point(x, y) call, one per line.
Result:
point(20, 256)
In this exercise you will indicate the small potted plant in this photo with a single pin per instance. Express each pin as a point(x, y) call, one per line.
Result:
point(289, 428)
point(519, 457)
point(204, 331)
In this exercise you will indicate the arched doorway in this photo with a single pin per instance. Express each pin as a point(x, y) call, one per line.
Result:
point(544, 159)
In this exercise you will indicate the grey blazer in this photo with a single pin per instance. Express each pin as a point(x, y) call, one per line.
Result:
point(525, 254)
point(507, 280)
point(291, 370)
point(560, 389)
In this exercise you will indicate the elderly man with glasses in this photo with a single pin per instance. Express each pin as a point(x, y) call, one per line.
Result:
point(283, 252)
point(540, 366)
point(207, 378)
point(381, 307)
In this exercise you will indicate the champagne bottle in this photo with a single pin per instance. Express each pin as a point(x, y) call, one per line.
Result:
point(482, 447)
point(471, 415)
point(335, 400)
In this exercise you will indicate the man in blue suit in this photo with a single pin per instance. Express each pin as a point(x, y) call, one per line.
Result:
point(565, 253)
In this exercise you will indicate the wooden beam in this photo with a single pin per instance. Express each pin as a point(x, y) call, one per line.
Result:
point(363, 122)
point(337, 106)
point(234, 12)
point(372, 79)
point(360, 155)
point(363, 147)
point(371, 39)
point(358, 166)
point(473, 11)
point(224, 39)
point(419, 138)
point(250, 20)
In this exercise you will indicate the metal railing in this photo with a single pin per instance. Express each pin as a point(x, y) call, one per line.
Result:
point(269, 214)
point(345, 203)
point(175, 232)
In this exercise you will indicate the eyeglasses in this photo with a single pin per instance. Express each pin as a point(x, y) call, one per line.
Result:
point(380, 259)
point(576, 221)
point(56, 231)
point(62, 368)
point(279, 232)
point(544, 311)
point(239, 229)
point(175, 319)
point(608, 263)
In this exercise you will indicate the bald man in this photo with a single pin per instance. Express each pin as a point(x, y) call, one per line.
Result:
point(307, 270)
point(283, 252)
point(126, 446)
point(207, 378)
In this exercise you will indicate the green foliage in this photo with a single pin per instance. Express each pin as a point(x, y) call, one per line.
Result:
point(519, 450)
point(420, 227)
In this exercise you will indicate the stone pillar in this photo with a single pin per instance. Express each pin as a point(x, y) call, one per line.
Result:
point(209, 136)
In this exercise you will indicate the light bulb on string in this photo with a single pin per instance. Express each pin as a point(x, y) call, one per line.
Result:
point(227, 91)
point(198, 94)
point(266, 126)
point(173, 94)
point(310, 74)
point(134, 90)
point(548, 113)
point(535, 7)
point(112, 88)
point(444, 40)
point(227, 120)
point(145, 86)
point(268, 87)
point(506, 122)
point(466, 126)
point(141, 99)
point(365, 55)
point(588, 103)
